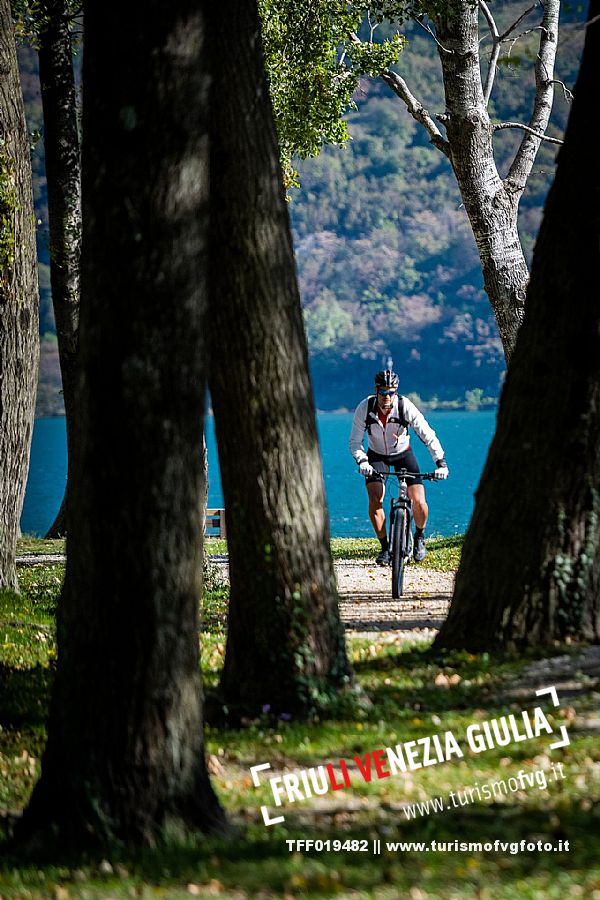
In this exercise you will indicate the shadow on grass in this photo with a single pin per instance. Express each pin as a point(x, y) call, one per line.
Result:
point(25, 695)
point(398, 684)
point(257, 859)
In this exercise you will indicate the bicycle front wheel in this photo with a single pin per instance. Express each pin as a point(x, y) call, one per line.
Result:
point(399, 553)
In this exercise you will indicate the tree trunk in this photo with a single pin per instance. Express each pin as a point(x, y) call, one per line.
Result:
point(530, 571)
point(285, 643)
point(491, 204)
point(205, 485)
point(63, 174)
point(19, 339)
point(58, 528)
point(125, 754)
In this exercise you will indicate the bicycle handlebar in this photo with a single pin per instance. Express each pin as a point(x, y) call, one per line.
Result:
point(426, 476)
point(404, 473)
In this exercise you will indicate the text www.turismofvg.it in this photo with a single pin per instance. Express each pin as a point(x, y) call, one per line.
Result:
point(491, 790)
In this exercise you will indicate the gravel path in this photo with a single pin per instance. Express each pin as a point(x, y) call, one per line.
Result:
point(367, 607)
point(41, 559)
point(368, 611)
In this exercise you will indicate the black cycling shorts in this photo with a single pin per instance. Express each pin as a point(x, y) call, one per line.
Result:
point(406, 460)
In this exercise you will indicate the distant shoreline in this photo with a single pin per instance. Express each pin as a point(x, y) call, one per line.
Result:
point(447, 406)
point(444, 406)
point(50, 399)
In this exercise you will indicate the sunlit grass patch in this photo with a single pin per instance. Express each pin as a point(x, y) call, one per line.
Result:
point(27, 632)
point(215, 546)
point(213, 616)
point(40, 587)
point(28, 546)
point(443, 553)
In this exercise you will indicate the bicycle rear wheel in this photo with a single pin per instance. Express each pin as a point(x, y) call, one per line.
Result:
point(398, 553)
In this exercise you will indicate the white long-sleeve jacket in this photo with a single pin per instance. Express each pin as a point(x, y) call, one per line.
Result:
point(394, 437)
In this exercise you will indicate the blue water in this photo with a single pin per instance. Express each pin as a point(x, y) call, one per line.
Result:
point(464, 436)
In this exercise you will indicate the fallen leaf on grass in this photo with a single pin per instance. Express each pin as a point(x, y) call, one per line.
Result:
point(214, 766)
point(446, 681)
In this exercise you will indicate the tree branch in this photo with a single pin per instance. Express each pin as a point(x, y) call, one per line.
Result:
point(542, 106)
point(514, 40)
point(497, 40)
point(568, 95)
point(430, 32)
point(416, 109)
point(537, 134)
point(512, 27)
point(491, 72)
point(591, 21)
point(371, 26)
point(490, 20)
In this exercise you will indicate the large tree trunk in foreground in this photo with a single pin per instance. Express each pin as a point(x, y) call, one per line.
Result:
point(530, 572)
point(63, 174)
point(125, 747)
point(491, 203)
point(285, 643)
point(19, 340)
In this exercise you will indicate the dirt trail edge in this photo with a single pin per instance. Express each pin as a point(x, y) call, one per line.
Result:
point(367, 605)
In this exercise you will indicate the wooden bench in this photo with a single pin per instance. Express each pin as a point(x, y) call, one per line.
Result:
point(215, 519)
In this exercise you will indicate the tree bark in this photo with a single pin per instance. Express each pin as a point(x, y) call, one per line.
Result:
point(63, 174)
point(58, 528)
point(19, 339)
point(491, 203)
point(530, 571)
point(125, 754)
point(285, 644)
point(491, 210)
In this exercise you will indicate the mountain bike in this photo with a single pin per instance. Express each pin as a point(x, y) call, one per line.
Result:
point(401, 538)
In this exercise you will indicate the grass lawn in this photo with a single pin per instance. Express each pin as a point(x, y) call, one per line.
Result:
point(443, 555)
point(402, 693)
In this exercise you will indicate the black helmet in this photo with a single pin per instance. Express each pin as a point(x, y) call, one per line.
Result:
point(386, 378)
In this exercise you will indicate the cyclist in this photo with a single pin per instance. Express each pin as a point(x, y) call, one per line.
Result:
point(385, 416)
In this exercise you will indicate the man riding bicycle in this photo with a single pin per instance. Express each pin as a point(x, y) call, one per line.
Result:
point(386, 416)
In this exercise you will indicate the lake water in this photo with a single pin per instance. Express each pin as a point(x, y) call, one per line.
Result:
point(464, 436)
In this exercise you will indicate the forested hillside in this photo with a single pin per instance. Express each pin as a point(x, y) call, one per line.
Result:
point(386, 258)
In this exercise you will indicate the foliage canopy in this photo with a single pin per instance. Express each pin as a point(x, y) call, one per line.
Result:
point(313, 68)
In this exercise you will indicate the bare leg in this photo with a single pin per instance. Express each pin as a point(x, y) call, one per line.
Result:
point(416, 492)
point(376, 492)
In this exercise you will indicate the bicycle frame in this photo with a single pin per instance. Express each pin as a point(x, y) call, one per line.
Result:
point(400, 527)
point(400, 534)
